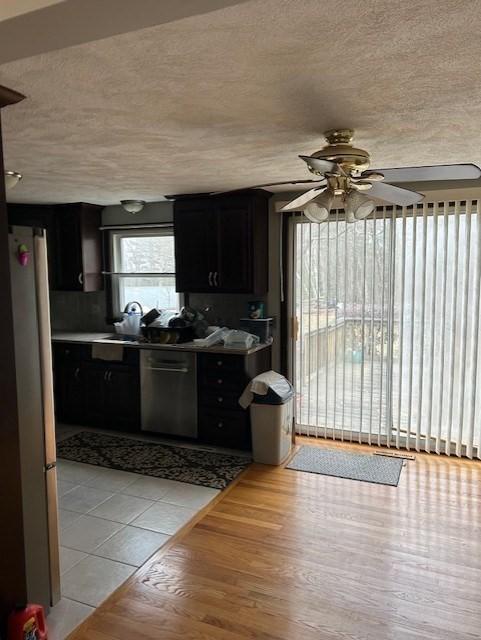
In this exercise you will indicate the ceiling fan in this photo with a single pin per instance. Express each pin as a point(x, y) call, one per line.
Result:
point(343, 171)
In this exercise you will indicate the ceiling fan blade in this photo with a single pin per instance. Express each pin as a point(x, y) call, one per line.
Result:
point(395, 195)
point(270, 184)
point(436, 172)
point(303, 199)
point(318, 164)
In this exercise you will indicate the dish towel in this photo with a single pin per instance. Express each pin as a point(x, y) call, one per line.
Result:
point(111, 352)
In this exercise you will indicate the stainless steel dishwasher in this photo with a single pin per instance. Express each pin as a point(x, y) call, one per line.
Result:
point(168, 382)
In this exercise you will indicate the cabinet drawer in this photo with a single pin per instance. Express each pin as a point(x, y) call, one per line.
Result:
point(71, 352)
point(221, 362)
point(231, 382)
point(219, 398)
point(225, 428)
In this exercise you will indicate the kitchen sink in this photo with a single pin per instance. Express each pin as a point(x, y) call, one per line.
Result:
point(122, 338)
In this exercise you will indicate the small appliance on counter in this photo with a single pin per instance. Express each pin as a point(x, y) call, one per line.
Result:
point(260, 327)
point(130, 322)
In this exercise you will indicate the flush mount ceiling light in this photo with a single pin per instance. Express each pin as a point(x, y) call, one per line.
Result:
point(12, 178)
point(133, 206)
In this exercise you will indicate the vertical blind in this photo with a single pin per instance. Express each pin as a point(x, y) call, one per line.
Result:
point(388, 348)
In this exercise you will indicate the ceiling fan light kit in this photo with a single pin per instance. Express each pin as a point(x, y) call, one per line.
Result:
point(343, 171)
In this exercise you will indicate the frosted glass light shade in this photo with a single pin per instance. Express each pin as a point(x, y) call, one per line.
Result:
point(318, 211)
point(133, 206)
point(358, 206)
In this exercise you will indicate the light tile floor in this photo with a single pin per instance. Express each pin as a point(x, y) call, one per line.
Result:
point(111, 522)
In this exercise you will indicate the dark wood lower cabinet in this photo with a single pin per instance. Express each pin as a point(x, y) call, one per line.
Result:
point(94, 375)
point(70, 392)
point(106, 395)
point(122, 398)
point(221, 381)
point(95, 393)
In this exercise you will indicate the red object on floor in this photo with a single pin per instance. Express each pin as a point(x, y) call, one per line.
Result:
point(27, 623)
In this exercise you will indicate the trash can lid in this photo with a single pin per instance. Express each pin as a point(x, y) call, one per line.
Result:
point(267, 388)
point(279, 393)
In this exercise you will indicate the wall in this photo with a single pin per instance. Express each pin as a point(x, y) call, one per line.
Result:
point(153, 212)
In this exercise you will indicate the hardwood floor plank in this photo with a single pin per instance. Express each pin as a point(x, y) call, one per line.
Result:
point(285, 555)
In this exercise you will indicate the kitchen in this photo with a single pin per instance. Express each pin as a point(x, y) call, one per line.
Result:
point(141, 496)
point(108, 384)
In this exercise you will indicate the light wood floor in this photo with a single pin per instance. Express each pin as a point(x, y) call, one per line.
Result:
point(297, 556)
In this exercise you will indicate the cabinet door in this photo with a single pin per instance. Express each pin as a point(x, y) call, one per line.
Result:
point(195, 234)
point(122, 398)
point(234, 241)
point(70, 392)
point(68, 259)
point(95, 375)
point(78, 259)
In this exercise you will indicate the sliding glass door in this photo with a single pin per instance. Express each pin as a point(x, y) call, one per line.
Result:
point(387, 311)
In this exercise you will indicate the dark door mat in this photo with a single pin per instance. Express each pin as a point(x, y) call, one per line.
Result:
point(193, 466)
point(344, 464)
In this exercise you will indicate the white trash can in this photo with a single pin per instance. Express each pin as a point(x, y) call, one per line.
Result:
point(271, 417)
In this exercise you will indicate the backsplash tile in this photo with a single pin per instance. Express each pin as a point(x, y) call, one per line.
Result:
point(225, 310)
point(77, 311)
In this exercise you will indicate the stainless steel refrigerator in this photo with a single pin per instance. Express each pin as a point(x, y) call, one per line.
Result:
point(33, 360)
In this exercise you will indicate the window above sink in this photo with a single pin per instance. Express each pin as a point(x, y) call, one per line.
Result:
point(143, 269)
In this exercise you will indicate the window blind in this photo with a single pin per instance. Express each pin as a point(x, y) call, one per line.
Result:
point(388, 348)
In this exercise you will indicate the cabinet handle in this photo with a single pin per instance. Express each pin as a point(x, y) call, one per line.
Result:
point(216, 284)
point(77, 372)
point(105, 376)
point(219, 363)
point(210, 279)
point(81, 278)
point(220, 399)
point(109, 376)
point(219, 381)
point(220, 425)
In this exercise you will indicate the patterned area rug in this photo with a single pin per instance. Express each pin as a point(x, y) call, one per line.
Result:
point(194, 466)
point(344, 464)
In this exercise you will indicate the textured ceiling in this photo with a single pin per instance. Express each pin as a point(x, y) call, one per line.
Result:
point(229, 98)
point(12, 8)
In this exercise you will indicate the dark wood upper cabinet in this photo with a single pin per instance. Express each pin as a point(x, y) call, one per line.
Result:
point(221, 243)
point(74, 242)
point(78, 247)
point(195, 235)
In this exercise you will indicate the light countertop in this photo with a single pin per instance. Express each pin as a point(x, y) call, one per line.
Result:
point(90, 338)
